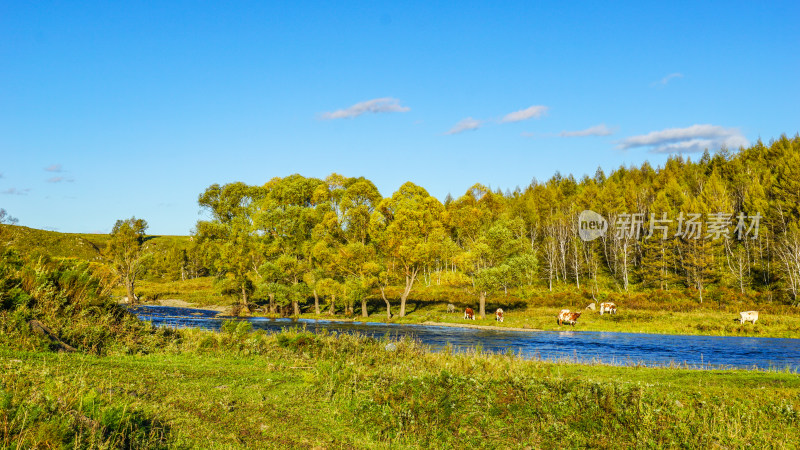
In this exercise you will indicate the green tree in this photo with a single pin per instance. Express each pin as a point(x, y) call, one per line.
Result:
point(357, 262)
point(126, 253)
point(503, 242)
point(231, 235)
point(403, 226)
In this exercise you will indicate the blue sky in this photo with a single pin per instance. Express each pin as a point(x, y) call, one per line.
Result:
point(115, 109)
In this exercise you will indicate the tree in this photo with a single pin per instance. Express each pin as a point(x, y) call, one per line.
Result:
point(357, 262)
point(6, 218)
point(788, 251)
point(125, 249)
point(403, 226)
point(232, 234)
point(328, 287)
point(499, 245)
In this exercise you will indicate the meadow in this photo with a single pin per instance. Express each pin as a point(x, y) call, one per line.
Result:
point(244, 389)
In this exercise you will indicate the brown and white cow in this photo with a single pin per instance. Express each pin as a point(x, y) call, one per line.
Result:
point(748, 316)
point(608, 307)
point(498, 315)
point(469, 314)
point(568, 318)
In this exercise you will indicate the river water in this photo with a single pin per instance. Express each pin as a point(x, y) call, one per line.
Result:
point(578, 346)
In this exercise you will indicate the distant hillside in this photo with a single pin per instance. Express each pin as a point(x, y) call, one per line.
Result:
point(88, 247)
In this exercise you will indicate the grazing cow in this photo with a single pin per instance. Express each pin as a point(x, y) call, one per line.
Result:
point(469, 314)
point(566, 317)
point(608, 307)
point(748, 316)
point(451, 308)
point(498, 315)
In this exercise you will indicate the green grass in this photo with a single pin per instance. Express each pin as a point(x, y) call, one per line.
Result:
point(199, 291)
point(85, 246)
point(298, 390)
point(52, 244)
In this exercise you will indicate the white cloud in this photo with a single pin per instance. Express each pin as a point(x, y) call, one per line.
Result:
point(377, 105)
point(59, 179)
point(465, 125)
point(667, 79)
point(53, 168)
point(597, 130)
point(15, 191)
point(534, 112)
point(693, 139)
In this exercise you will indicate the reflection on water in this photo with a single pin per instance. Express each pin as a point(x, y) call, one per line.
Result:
point(581, 346)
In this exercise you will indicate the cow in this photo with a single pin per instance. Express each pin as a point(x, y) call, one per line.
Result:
point(469, 314)
point(748, 316)
point(608, 307)
point(498, 315)
point(569, 318)
point(451, 308)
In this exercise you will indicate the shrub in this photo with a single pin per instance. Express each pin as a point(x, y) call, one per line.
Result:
point(68, 298)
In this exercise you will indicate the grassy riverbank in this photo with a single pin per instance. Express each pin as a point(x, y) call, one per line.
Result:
point(676, 311)
point(240, 389)
point(655, 312)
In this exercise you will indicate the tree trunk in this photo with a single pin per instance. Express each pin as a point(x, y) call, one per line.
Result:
point(296, 307)
point(388, 305)
point(245, 308)
point(364, 312)
point(483, 305)
point(316, 302)
point(406, 291)
point(272, 303)
point(625, 266)
point(131, 294)
point(333, 305)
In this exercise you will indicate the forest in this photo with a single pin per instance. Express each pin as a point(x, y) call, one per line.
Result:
point(725, 224)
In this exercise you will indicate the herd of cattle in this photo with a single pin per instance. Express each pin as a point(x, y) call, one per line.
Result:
point(567, 317)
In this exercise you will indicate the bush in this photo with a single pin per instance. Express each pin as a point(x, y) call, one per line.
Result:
point(297, 341)
point(68, 298)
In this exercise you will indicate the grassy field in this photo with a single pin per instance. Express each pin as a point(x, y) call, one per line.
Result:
point(241, 389)
point(31, 240)
point(85, 246)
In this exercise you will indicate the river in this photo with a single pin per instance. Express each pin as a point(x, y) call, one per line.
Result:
point(578, 346)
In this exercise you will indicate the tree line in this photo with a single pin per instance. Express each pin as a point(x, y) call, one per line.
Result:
point(729, 220)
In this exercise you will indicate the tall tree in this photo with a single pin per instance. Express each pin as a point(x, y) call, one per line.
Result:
point(125, 251)
point(788, 251)
point(231, 235)
point(403, 226)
